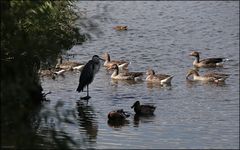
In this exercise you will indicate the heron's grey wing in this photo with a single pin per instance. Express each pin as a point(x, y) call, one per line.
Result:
point(87, 74)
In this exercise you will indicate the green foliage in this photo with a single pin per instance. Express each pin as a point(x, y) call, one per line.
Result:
point(42, 28)
point(32, 33)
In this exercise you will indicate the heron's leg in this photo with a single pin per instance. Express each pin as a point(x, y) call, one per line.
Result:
point(86, 97)
point(87, 91)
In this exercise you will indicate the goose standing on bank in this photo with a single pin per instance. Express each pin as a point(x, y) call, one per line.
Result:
point(88, 73)
point(208, 62)
point(209, 77)
point(68, 65)
point(125, 75)
point(158, 78)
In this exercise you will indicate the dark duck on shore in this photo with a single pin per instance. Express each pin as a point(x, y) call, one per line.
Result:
point(206, 63)
point(143, 109)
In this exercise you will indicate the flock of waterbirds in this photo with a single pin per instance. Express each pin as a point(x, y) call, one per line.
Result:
point(120, 72)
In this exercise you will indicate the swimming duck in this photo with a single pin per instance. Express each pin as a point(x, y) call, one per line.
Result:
point(209, 77)
point(143, 109)
point(51, 73)
point(117, 115)
point(208, 62)
point(108, 62)
point(158, 78)
point(120, 28)
point(68, 65)
point(125, 75)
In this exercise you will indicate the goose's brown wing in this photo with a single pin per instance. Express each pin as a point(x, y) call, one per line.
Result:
point(216, 75)
point(118, 62)
point(134, 74)
point(162, 76)
point(211, 60)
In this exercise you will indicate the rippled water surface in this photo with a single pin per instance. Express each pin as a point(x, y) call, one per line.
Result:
point(161, 35)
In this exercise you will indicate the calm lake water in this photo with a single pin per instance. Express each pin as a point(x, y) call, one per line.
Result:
point(161, 35)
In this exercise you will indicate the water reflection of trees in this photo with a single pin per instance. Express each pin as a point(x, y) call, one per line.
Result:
point(87, 120)
point(117, 124)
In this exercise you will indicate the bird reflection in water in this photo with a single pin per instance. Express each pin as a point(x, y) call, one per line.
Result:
point(125, 82)
point(143, 119)
point(152, 85)
point(87, 120)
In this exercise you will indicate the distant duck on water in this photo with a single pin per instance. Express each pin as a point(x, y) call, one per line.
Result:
point(158, 78)
point(208, 62)
point(209, 77)
point(68, 65)
point(88, 73)
point(120, 28)
point(125, 75)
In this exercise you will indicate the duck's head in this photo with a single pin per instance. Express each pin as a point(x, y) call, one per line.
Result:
point(136, 104)
point(191, 72)
point(59, 61)
point(114, 67)
point(106, 56)
point(150, 72)
point(194, 53)
point(124, 27)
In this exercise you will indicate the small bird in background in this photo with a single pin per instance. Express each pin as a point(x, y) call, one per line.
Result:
point(88, 73)
point(120, 28)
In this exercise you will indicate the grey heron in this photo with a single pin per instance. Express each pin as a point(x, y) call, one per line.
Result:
point(88, 73)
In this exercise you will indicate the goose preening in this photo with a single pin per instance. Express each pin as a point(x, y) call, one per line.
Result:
point(158, 78)
point(143, 109)
point(209, 77)
point(125, 75)
point(68, 65)
point(88, 73)
point(208, 62)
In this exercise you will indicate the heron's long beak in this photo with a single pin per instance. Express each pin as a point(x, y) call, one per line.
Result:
point(101, 59)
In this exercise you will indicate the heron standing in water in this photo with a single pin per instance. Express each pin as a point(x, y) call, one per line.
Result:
point(88, 73)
